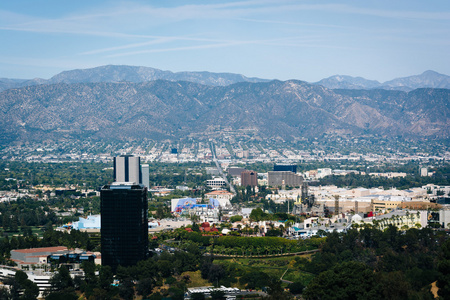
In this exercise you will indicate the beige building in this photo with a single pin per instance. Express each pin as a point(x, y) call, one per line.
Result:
point(383, 204)
point(279, 178)
point(219, 194)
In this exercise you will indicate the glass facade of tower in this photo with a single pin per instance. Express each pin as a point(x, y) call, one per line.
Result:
point(124, 224)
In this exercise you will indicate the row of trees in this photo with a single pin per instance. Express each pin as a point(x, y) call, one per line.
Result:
point(27, 174)
point(246, 246)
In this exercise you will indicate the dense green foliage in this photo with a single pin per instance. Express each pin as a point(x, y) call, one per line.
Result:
point(92, 175)
point(25, 212)
point(355, 180)
point(379, 265)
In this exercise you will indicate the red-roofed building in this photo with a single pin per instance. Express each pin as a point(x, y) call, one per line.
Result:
point(35, 255)
point(208, 228)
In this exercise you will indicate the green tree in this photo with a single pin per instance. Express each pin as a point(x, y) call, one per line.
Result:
point(236, 218)
point(145, 286)
point(61, 280)
point(198, 296)
point(296, 287)
point(349, 280)
point(217, 295)
point(29, 288)
point(443, 281)
point(126, 289)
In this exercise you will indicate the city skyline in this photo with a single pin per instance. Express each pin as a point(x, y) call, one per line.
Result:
point(268, 39)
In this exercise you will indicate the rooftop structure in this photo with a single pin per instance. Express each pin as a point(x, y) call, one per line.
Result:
point(127, 169)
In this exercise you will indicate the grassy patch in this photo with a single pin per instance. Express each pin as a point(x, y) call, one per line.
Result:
point(274, 267)
point(196, 279)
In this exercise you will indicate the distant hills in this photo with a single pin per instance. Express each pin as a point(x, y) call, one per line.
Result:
point(162, 109)
point(428, 79)
point(113, 73)
point(122, 73)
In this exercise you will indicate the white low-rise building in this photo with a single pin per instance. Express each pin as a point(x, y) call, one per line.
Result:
point(216, 183)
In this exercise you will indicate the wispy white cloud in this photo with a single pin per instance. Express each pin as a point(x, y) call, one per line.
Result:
point(119, 20)
point(293, 23)
point(155, 41)
point(303, 41)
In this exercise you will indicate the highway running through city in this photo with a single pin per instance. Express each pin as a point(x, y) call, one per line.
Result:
point(219, 168)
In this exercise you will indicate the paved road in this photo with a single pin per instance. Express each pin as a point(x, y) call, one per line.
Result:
point(219, 168)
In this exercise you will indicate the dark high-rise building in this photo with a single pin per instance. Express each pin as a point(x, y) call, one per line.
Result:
point(124, 224)
point(235, 171)
point(249, 178)
point(280, 167)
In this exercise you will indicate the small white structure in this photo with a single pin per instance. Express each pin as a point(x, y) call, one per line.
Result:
point(91, 222)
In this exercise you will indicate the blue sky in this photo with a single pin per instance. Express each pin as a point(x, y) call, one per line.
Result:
point(282, 39)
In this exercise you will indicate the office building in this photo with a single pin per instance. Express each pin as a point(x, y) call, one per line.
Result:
point(280, 167)
point(216, 183)
point(249, 178)
point(124, 219)
point(235, 171)
point(145, 171)
point(127, 169)
point(423, 172)
point(280, 178)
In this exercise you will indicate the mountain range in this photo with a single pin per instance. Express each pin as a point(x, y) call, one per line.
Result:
point(114, 73)
point(428, 79)
point(119, 73)
point(163, 109)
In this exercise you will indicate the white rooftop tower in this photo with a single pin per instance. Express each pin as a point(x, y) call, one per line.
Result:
point(127, 169)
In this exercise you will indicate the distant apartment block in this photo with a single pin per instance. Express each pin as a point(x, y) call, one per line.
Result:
point(249, 178)
point(423, 172)
point(279, 178)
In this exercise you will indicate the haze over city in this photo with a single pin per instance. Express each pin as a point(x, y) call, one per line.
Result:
point(306, 40)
